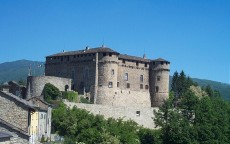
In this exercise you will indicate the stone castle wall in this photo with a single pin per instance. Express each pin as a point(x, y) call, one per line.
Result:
point(35, 84)
point(143, 116)
point(81, 69)
point(159, 86)
point(110, 79)
point(13, 112)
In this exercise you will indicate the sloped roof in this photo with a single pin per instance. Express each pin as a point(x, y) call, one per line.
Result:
point(85, 51)
point(24, 102)
point(13, 127)
point(5, 135)
point(135, 58)
point(161, 59)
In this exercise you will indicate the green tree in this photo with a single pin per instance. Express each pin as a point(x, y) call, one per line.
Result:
point(51, 92)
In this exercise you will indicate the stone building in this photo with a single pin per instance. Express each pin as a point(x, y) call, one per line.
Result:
point(111, 78)
point(19, 117)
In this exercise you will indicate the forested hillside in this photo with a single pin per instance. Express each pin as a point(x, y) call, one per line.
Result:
point(18, 70)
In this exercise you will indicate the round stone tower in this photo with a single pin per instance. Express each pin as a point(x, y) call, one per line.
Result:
point(159, 81)
point(107, 77)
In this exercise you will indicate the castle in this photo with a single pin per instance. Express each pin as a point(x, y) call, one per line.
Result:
point(107, 77)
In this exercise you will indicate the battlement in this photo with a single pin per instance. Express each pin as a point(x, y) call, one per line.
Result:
point(108, 76)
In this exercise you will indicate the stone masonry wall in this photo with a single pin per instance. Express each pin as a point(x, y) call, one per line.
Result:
point(13, 112)
point(144, 117)
point(35, 84)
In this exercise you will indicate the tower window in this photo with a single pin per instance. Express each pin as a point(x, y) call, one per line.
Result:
point(128, 85)
point(138, 113)
point(146, 65)
point(141, 78)
point(104, 54)
point(123, 61)
point(110, 84)
point(110, 54)
point(126, 77)
point(112, 72)
point(146, 87)
point(157, 89)
point(118, 84)
point(141, 86)
point(162, 63)
point(158, 78)
point(137, 63)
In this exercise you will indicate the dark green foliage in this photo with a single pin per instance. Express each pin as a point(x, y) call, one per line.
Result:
point(51, 92)
point(194, 120)
point(84, 100)
point(180, 84)
point(71, 96)
point(148, 136)
point(81, 126)
point(22, 82)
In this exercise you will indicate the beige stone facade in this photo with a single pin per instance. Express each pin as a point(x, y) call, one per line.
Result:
point(111, 78)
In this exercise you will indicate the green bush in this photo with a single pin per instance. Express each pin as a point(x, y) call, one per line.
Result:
point(70, 96)
point(51, 92)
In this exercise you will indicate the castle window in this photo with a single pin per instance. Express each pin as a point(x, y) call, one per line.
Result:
point(41, 116)
point(118, 84)
point(61, 58)
point(82, 85)
point(67, 58)
point(141, 86)
point(157, 88)
point(110, 54)
point(123, 61)
point(112, 72)
point(141, 78)
point(146, 65)
point(104, 54)
point(162, 63)
point(158, 78)
point(146, 87)
point(126, 77)
point(137, 63)
point(128, 85)
point(110, 84)
point(86, 72)
point(138, 113)
point(44, 116)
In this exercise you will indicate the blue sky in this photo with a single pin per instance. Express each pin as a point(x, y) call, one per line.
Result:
point(193, 34)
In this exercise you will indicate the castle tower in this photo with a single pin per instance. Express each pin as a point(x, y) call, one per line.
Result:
point(159, 81)
point(107, 77)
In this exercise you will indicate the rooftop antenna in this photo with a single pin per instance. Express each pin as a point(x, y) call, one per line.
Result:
point(144, 55)
point(103, 43)
point(29, 70)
